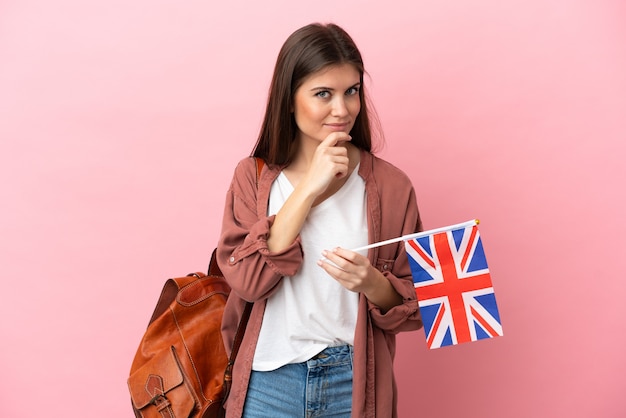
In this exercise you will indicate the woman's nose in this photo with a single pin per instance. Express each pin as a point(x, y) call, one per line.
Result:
point(339, 107)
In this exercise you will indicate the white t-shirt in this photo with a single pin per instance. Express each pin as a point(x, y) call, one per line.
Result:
point(311, 311)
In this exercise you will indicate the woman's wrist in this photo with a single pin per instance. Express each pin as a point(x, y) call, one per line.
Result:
point(381, 293)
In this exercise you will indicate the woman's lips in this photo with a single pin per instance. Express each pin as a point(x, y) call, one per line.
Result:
point(338, 126)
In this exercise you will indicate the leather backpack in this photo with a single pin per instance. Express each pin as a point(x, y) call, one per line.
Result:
point(181, 369)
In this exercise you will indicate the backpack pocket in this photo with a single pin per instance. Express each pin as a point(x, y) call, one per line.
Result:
point(159, 388)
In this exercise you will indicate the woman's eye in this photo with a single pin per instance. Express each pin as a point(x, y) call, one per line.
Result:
point(324, 94)
point(352, 91)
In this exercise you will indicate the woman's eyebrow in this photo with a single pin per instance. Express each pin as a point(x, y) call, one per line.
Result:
point(332, 89)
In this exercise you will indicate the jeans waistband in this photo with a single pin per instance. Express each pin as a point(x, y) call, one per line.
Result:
point(338, 352)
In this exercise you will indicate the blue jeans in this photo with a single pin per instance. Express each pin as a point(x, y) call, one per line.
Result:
point(319, 387)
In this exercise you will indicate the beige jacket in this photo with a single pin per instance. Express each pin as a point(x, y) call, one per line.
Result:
point(253, 272)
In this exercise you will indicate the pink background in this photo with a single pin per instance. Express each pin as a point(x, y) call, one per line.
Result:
point(121, 123)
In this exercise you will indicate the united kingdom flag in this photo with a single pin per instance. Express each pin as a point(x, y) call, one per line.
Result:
point(453, 287)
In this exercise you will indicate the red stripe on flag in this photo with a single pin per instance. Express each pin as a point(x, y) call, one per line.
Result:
point(469, 247)
point(421, 253)
point(492, 332)
point(435, 326)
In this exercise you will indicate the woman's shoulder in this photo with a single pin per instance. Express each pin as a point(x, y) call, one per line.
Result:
point(384, 170)
point(252, 171)
point(252, 165)
point(244, 174)
point(245, 165)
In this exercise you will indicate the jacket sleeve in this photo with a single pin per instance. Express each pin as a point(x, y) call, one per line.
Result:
point(248, 266)
point(392, 261)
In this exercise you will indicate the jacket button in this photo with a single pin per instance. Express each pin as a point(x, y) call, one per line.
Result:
point(386, 267)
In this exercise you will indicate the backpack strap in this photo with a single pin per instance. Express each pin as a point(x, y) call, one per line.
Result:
point(170, 291)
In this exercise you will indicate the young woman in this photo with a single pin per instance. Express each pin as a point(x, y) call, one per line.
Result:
point(320, 340)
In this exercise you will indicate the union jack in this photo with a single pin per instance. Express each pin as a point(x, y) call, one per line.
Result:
point(453, 286)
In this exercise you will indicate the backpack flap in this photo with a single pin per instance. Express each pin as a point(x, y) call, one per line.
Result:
point(159, 384)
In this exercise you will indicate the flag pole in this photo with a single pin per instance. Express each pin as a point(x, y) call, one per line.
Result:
point(419, 235)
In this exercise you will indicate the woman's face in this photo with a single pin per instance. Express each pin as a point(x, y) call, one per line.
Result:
point(326, 102)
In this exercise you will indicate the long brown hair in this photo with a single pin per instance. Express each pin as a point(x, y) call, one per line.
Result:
point(306, 51)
